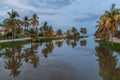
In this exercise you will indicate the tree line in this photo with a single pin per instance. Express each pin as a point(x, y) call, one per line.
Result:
point(16, 26)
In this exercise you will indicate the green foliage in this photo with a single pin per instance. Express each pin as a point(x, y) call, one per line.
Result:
point(113, 46)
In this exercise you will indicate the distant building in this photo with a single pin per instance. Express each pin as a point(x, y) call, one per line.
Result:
point(2, 32)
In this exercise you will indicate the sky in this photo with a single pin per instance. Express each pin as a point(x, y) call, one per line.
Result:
point(60, 14)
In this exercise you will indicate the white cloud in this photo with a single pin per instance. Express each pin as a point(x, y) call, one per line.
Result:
point(19, 4)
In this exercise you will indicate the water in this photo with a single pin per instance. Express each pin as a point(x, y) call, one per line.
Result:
point(80, 59)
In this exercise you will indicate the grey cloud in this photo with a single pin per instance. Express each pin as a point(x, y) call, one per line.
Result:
point(58, 3)
point(90, 17)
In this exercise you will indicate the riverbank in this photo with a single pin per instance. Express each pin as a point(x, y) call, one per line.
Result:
point(113, 43)
point(112, 40)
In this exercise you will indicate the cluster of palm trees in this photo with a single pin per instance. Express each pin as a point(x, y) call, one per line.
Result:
point(109, 23)
point(74, 33)
point(16, 26)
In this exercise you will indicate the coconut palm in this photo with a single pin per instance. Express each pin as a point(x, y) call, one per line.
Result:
point(83, 30)
point(50, 31)
point(12, 23)
point(68, 34)
point(74, 32)
point(26, 22)
point(44, 28)
point(59, 33)
point(34, 20)
point(109, 22)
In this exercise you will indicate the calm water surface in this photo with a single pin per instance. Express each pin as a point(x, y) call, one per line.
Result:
point(80, 59)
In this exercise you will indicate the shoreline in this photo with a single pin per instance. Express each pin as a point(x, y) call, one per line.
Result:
point(112, 40)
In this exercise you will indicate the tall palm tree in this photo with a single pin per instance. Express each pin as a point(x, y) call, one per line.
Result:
point(12, 23)
point(109, 22)
point(74, 31)
point(83, 30)
point(44, 28)
point(34, 20)
point(68, 34)
point(26, 24)
point(59, 32)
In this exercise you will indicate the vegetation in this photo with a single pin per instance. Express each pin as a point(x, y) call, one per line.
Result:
point(108, 24)
point(16, 27)
point(113, 46)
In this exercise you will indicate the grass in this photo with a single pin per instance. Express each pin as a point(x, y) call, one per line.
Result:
point(12, 44)
point(113, 46)
point(19, 43)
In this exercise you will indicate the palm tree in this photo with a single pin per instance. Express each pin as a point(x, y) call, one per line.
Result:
point(50, 31)
point(26, 24)
point(109, 22)
point(44, 28)
point(74, 31)
point(68, 34)
point(12, 23)
point(83, 30)
point(34, 21)
point(59, 32)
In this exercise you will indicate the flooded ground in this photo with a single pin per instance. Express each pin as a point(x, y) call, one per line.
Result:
point(80, 59)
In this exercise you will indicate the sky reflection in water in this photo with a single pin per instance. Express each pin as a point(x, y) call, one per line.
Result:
point(76, 59)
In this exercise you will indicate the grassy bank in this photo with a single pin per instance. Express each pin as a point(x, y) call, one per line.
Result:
point(113, 46)
point(19, 43)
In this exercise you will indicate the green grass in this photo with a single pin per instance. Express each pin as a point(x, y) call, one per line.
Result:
point(113, 46)
point(47, 39)
point(12, 44)
point(19, 43)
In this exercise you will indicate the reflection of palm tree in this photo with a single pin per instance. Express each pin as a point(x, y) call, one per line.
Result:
point(107, 64)
point(68, 41)
point(13, 64)
point(34, 61)
point(83, 42)
point(74, 43)
point(15, 56)
point(14, 61)
point(30, 56)
point(59, 44)
point(48, 49)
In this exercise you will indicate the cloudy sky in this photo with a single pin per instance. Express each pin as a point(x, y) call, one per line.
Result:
point(62, 14)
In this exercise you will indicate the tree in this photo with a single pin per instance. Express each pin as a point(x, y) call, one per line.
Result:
point(34, 21)
point(83, 30)
point(108, 23)
point(26, 24)
point(74, 32)
point(13, 23)
point(68, 34)
point(59, 33)
point(44, 28)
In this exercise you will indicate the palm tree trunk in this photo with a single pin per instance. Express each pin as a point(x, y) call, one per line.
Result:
point(13, 34)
